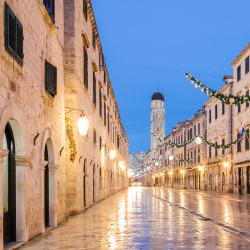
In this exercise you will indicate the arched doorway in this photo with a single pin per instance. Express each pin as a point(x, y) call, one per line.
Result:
point(94, 183)
point(223, 181)
point(240, 180)
point(248, 180)
point(9, 187)
point(46, 188)
point(84, 182)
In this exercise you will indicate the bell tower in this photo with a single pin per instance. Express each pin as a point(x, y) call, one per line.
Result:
point(157, 122)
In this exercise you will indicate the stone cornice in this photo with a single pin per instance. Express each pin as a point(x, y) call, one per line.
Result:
point(242, 53)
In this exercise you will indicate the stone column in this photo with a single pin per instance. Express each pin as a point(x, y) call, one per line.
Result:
point(22, 163)
point(3, 153)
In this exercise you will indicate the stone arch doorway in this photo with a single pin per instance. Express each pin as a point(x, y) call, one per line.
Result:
point(9, 186)
point(248, 179)
point(46, 188)
point(223, 182)
point(84, 182)
point(94, 183)
point(49, 184)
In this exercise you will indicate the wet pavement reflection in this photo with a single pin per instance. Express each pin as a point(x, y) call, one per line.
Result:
point(156, 218)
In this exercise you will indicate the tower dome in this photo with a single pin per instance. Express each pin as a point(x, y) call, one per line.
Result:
point(157, 96)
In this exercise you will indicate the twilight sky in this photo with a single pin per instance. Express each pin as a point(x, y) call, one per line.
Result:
point(148, 44)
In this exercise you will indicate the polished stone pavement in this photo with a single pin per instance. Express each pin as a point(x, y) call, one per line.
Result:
point(156, 218)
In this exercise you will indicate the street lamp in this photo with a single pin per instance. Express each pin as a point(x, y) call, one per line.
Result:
point(112, 154)
point(201, 168)
point(82, 122)
point(226, 164)
point(83, 125)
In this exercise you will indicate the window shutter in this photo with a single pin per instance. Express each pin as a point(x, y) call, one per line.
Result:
point(13, 34)
point(51, 78)
point(85, 68)
point(19, 39)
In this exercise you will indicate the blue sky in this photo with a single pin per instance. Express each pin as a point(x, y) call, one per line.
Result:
point(147, 44)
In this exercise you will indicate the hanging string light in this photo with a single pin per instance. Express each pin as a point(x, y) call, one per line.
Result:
point(227, 99)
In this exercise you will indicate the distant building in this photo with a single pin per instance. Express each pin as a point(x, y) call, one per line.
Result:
point(157, 122)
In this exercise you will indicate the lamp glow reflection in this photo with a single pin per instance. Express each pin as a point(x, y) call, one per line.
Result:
point(83, 125)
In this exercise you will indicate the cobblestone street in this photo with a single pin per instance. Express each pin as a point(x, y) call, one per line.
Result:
point(156, 218)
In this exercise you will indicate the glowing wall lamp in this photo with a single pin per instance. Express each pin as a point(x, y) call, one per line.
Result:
point(226, 164)
point(112, 154)
point(201, 168)
point(83, 125)
point(82, 122)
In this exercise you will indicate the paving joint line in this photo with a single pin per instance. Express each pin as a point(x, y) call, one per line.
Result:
point(246, 235)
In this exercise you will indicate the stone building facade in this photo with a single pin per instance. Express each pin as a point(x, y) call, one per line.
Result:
point(241, 117)
point(222, 170)
point(46, 168)
point(93, 175)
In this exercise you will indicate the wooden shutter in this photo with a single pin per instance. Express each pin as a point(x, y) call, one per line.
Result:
point(19, 39)
point(13, 34)
point(85, 68)
point(50, 78)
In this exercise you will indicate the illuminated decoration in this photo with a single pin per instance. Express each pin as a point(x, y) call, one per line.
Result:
point(201, 168)
point(227, 99)
point(72, 142)
point(226, 164)
point(161, 174)
point(198, 140)
point(182, 171)
point(157, 163)
point(120, 163)
point(171, 157)
point(83, 125)
point(112, 154)
point(170, 173)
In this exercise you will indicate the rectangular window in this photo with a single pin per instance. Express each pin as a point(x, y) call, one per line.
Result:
point(238, 73)
point(216, 149)
point(195, 130)
point(223, 149)
point(247, 139)
point(101, 60)
point(239, 107)
point(94, 88)
point(13, 35)
point(108, 123)
point(104, 77)
point(118, 142)
point(100, 102)
point(223, 108)
point(210, 152)
point(247, 65)
point(216, 112)
point(199, 157)
point(93, 39)
point(85, 9)
point(199, 128)
point(210, 116)
point(239, 142)
point(94, 136)
point(50, 78)
point(104, 113)
point(100, 143)
point(247, 94)
point(50, 7)
point(85, 68)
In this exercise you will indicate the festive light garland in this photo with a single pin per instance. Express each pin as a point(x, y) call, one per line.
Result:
point(227, 99)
